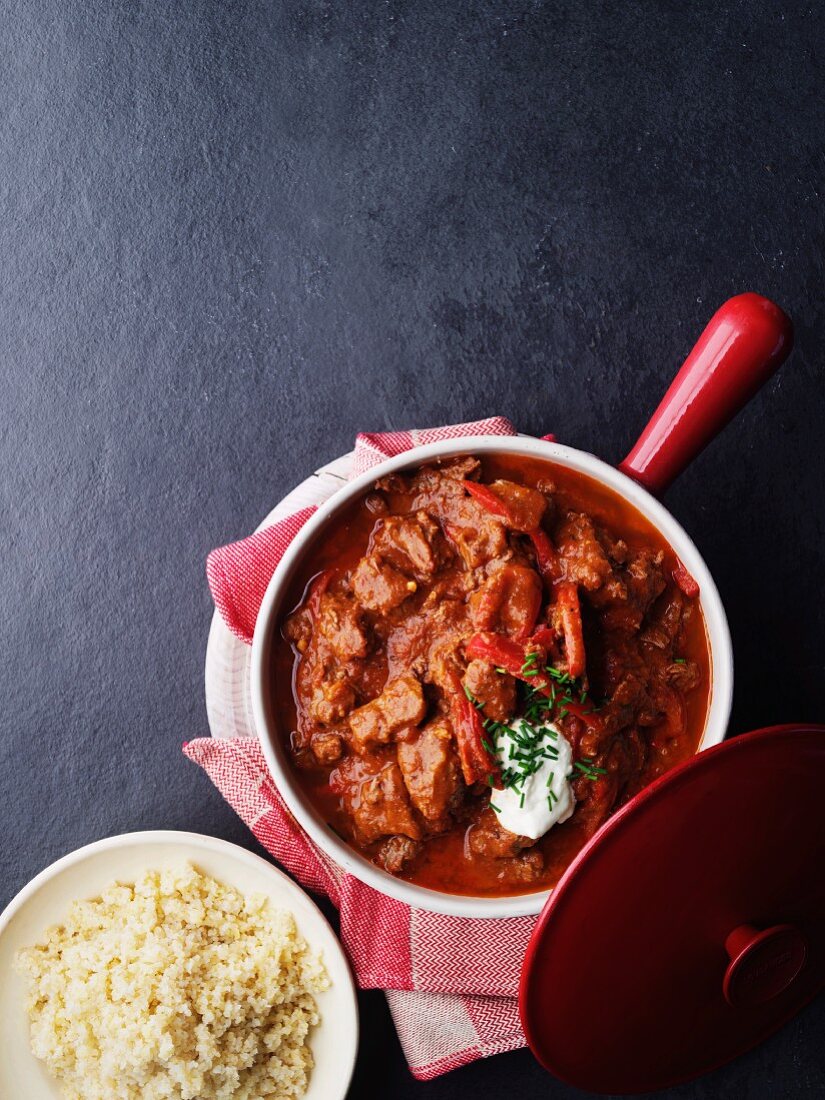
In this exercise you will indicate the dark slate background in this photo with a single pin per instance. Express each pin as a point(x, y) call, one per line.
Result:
point(232, 234)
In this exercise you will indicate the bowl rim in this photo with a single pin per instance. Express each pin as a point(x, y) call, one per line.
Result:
point(311, 821)
point(343, 989)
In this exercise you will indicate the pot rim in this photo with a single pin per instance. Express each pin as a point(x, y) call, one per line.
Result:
point(721, 654)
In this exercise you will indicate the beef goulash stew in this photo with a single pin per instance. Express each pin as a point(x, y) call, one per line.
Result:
point(488, 657)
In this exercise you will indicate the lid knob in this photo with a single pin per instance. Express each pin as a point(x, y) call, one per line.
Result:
point(762, 963)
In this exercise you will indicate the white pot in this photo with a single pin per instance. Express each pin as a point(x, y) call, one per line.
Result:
point(272, 611)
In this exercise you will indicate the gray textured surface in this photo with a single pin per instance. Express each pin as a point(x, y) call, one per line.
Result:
point(233, 234)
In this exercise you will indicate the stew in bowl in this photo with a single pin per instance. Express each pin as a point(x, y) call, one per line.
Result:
point(479, 660)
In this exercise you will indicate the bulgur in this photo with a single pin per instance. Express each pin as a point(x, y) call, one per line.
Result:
point(175, 987)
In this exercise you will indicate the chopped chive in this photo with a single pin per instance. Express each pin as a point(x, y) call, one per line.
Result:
point(586, 768)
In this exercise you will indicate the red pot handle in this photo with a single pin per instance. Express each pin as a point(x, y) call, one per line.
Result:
point(745, 342)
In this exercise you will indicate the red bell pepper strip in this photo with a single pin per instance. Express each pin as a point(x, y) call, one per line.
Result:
point(547, 637)
point(544, 636)
point(504, 653)
point(532, 616)
point(567, 600)
point(546, 557)
point(478, 765)
point(580, 710)
point(685, 582)
point(489, 501)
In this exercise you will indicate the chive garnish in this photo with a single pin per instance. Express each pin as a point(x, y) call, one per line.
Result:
point(530, 734)
point(587, 768)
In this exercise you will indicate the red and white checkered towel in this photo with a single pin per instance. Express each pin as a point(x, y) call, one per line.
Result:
point(451, 982)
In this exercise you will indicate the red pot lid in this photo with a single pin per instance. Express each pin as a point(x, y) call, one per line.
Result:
point(693, 923)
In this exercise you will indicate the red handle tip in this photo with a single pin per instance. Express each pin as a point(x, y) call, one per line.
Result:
point(745, 342)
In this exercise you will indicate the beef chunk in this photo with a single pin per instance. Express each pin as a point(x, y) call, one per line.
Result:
point(645, 578)
point(396, 852)
point(478, 536)
point(491, 840)
point(375, 798)
point(525, 867)
point(526, 506)
point(508, 602)
point(683, 675)
point(582, 555)
point(443, 664)
point(327, 746)
point(496, 691)
point(331, 695)
point(401, 703)
point(666, 622)
point(672, 711)
point(432, 478)
point(378, 586)
point(431, 773)
point(428, 642)
point(620, 583)
point(408, 543)
point(298, 629)
point(595, 800)
point(339, 620)
point(626, 603)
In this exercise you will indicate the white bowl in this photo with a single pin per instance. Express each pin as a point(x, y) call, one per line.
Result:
point(88, 871)
point(272, 609)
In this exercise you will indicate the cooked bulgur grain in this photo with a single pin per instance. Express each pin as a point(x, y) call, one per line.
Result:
point(174, 988)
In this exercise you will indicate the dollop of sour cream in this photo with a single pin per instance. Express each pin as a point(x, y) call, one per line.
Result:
point(532, 805)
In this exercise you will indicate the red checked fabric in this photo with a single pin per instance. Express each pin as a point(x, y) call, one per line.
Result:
point(451, 982)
